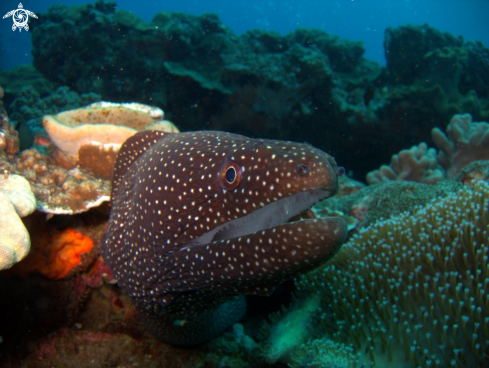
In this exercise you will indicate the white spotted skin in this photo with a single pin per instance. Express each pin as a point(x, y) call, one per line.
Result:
point(167, 191)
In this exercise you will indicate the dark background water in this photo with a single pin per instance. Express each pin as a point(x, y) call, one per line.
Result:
point(352, 19)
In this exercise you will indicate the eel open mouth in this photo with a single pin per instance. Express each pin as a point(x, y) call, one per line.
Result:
point(271, 215)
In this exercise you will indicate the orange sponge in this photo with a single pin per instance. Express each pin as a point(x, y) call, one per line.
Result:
point(56, 258)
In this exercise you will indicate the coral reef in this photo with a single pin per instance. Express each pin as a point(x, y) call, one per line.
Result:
point(416, 164)
point(58, 190)
point(384, 200)
point(264, 84)
point(464, 142)
point(412, 289)
point(63, 185)
point(408, 289)
point(28, 108)
point(436, 67)
point(17, 79)
point(204, 76)
point(16, 200)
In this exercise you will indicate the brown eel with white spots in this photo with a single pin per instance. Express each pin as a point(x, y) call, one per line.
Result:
point(199, 219)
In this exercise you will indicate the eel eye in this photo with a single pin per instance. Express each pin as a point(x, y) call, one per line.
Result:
point(231, 175)
point(302, 169)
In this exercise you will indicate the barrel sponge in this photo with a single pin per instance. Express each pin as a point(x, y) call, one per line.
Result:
point(412, 290)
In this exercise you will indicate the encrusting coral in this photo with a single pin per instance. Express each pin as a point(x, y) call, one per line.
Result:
point(376, 202)
point(16, 200)
point(58, 190)
point(464, 142)
point(412, 290)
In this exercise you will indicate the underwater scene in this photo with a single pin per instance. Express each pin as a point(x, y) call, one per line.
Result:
point(213, 184)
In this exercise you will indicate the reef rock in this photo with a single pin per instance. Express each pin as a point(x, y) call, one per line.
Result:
point(265, 84)
point(206, 77)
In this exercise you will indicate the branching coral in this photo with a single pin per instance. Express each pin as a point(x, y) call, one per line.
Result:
point(416, 164)
point(414, 288)
point(465, 141)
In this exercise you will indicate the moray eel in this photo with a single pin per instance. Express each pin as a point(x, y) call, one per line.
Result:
point(199, 219)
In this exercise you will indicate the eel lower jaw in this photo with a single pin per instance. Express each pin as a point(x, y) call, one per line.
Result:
point(269, 216)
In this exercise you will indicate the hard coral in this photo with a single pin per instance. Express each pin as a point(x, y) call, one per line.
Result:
point(465, 141)
point(16, 200)
point(15, 241)
point(55, 257)
point(412, 290)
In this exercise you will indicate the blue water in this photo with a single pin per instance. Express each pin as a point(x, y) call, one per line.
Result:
point(353, 19)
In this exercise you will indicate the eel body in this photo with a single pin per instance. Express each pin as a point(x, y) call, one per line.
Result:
point(199, 219)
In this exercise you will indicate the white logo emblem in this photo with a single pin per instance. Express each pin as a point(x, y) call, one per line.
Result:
point(20, 17)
